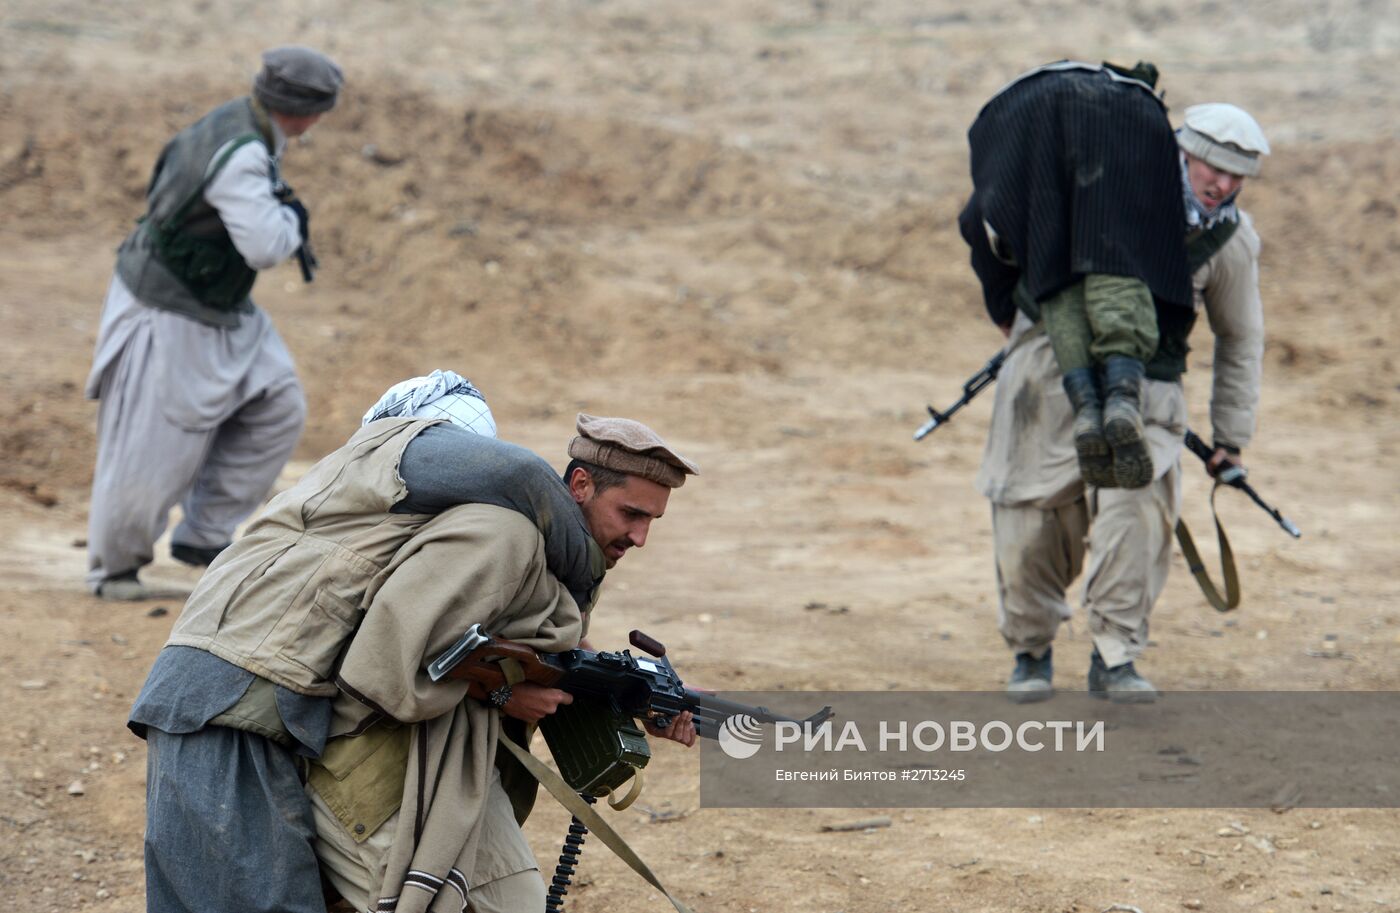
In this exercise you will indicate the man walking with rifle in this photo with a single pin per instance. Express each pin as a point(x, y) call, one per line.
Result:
point(200, 402)
point(1043, 514)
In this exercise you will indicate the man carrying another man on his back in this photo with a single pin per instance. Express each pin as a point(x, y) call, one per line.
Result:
point(1169, 227)
point(308, 639)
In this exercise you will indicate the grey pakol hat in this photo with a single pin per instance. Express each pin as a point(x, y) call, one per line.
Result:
point(1224, 136)
point(297, 81)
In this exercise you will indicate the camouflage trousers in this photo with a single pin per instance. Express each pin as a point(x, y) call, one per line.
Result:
point(1099, 317)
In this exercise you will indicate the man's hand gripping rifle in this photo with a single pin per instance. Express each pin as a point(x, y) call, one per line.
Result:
point(305, 256)
point(644, 688)
point(1234, 476)
point(594, 743)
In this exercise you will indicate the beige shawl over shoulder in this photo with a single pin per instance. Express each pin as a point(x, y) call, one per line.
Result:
point(475, 564)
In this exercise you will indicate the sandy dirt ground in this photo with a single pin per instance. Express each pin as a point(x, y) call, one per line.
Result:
point(734, 220)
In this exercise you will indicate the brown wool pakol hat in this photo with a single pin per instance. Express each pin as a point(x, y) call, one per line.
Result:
point(297, 81)
point(626, 446)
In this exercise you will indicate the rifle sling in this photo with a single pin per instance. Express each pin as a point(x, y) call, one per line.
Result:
point(1231, 599)
point(512, 670)
point(1230, 574)
point(589, 816)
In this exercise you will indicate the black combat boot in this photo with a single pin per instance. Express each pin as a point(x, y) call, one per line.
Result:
point(1090, 443)
point(1122, 421)
point(124, 587)
point(1030, 680)
point(195, 555)
point(1120, 684)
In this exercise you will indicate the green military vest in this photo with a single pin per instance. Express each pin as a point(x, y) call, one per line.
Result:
point(180, 257)
point(1174, 324)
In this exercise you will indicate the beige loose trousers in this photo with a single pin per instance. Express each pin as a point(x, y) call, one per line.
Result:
point(1044, 519)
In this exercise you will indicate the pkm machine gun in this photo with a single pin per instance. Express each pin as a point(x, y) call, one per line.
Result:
point(646, 688)
point(594, 742)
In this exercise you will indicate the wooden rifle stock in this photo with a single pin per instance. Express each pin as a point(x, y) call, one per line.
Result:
point(483, 671)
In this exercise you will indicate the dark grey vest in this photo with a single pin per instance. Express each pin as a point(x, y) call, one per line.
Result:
point(1174, 324)
point(180, 257)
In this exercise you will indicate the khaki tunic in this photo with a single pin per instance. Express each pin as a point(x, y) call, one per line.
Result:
point(329, 594)
point(1042, 516)
point(1227, 289)
point(475, 564)
point(283, 600)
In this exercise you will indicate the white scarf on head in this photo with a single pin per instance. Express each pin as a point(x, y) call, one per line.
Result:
point(441, 394)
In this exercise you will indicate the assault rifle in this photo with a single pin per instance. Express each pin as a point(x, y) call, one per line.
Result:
point(644, 688)
point(308, 262)
point(1234, 476)
point(305, 256)
point(974, 385)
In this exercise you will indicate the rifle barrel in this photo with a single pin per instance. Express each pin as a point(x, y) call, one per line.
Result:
point(714, 709)
point(307, 259)
point(1201, 449)
point(973, 386)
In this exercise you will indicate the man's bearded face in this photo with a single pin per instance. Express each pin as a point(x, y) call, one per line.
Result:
point(619, 517)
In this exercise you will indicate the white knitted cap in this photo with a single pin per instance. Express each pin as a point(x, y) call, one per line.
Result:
point(1224, 136)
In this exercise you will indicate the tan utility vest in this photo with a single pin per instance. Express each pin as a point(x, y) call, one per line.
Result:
point(283, 601)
